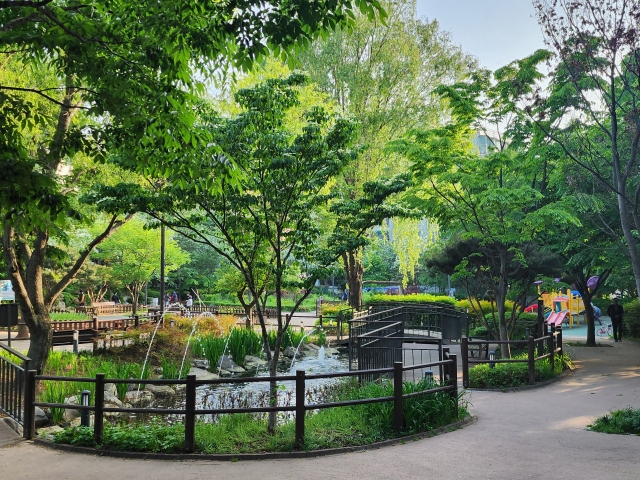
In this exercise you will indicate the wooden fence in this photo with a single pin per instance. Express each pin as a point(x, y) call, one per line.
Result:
point(535, 351)
point(449, 364)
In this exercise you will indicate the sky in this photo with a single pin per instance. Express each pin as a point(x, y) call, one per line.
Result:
point(495, 31)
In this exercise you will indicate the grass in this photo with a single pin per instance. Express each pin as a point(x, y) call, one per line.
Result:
point(211, 348)
point(243, 342)
point(511, 375)
point(621, 422)
point(291, 338)
point(171, 370)
point(329, 428)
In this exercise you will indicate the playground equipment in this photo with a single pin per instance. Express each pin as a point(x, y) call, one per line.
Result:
point(557, 318)
point(572, 303)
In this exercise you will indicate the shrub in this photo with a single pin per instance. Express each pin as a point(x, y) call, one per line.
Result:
point(417, 298)
point(332, 309)
point(625, 422)
point(632, 319)
point(291, 338)
point(511, 375)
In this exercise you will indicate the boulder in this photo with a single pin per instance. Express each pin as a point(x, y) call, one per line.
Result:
point(70, 414)
point(227, 363)
point(49, 432)
point(203, 364)
point(140, 399)
point(74, 400)
point(224, 373)
point(330, 351)
point(13, 425)
point(77, 421)
point(311, 347)
point(41, 418)
point(161, 390)
point(111, 399)
point(110, 388)
point(251, 362)
point(289, 352)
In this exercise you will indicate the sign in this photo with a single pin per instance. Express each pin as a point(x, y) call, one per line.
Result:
point(6, 291)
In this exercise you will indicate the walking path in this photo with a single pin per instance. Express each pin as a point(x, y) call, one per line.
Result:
point(538, 434)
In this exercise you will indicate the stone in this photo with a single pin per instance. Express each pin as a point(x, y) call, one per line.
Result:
point(330, 351)
point(74, 400)
point(251, 361)
point(140, 399)
point(203, 364)
point(289, 352)
point(110, 388)
point(161, 390)
point(76, 422)
point(343, 350)
point(49, 432)
point(227, 363)
point(42, 419)
point(70, 414)
point(224, 373)
point(13, 425)
point(311, 346)
point(112, 399)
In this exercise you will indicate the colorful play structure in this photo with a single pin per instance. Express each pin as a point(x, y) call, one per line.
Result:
point(565, 309)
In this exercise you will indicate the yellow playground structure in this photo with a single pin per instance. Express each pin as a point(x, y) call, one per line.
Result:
point(571, 303)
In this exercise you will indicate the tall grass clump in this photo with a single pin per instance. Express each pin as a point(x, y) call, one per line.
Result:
point(212, 348)
point(291, 338)
point(171, 370)
point(243, 342)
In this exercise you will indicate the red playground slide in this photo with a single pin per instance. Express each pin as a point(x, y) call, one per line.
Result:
point(556, 318)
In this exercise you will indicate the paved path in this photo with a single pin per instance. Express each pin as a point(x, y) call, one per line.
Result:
point(538, 434)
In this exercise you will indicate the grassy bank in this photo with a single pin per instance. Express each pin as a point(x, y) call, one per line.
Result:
point(328, 428)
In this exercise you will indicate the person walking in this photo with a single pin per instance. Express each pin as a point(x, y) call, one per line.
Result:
point(615, 311)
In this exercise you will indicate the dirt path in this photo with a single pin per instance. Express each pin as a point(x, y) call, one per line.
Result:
point(538, 434)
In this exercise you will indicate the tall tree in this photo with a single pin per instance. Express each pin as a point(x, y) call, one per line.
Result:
point(383, 74)
point(124, 79)
point(595, 86)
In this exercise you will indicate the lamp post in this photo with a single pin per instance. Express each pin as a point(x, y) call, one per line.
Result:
point(162, 291)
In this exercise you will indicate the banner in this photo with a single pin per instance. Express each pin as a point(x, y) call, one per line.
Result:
point(6, 291)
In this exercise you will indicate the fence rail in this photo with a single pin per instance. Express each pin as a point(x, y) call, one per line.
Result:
point(12, 384)
point(190, 412)
point(552, 340)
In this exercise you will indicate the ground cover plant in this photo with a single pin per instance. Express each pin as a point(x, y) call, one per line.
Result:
point(622, 422)
point(328, 428)
point(511, 375)
point(68, 316)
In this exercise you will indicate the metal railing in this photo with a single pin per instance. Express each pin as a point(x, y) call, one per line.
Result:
point(12, 383)
point(190, 412)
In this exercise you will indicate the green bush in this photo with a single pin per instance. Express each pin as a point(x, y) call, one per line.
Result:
point(417, 298)
point(211, 347)
point(332, 309)
point(511, 375)
point(291, 338)
point(624, 422)
point(632, 319)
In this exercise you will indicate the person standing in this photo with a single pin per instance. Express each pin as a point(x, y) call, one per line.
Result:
point(615, 311)
point(114, 298)
point(189, 301)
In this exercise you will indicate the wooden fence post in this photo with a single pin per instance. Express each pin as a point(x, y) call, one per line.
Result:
point(453, 380)
point(561, 352)
point(464, 351)
point(532, 362)
point(552, 348)
point(136, 320)
point(96, 328)
point(398, 413)
point(98, 421)
point(29, 427)
point(300, 409)
point(190, 415)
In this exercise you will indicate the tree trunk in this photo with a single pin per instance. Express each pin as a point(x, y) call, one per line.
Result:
point(41, 333)
point(632, 243)
point(590, 318)
point(354, 270)
point(501, 295)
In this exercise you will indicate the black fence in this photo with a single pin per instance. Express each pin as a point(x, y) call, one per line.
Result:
point(190, 412)
point(13, 368)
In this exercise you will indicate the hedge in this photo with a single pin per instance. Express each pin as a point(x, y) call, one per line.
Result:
point(414, 298)
point(632, 319)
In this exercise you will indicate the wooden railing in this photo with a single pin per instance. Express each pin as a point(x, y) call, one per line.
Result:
point(535, 352)
point(190, 411)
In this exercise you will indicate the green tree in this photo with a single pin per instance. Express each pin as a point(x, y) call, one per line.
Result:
point(498, 198)
point(383, 75)
point(592, 109)
point(132, 255)
point(266, 225)
point(122, 79)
